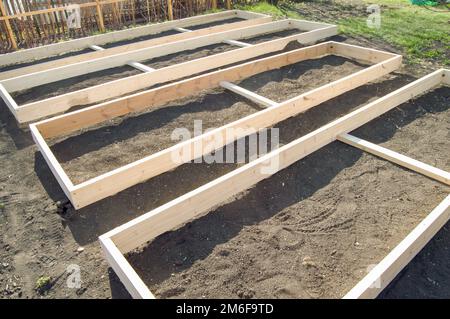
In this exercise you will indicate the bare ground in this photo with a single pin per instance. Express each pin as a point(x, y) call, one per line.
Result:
point(324, 219)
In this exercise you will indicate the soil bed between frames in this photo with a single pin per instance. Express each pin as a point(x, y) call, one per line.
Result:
point(88, 80)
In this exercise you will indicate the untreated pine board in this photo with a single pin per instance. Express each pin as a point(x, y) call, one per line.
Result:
point(135, 286)
point(7, 98)
point(383, 273)
point(79, 44)
point(399, 159)
point(142, 229)
point(252, 96)
point(131, 47)
point(112, 182)
point(58, 104)
point(85, 67)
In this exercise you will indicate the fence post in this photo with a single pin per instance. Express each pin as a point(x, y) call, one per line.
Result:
point(170, 9)
point(228, 4)
point(8, 26)
point(101, 24)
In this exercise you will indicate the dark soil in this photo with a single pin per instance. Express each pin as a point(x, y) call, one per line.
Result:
point(321, 221)
point(88, 80)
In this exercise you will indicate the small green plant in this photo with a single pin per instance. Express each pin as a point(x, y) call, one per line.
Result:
point(43, 283)
point(2, 206)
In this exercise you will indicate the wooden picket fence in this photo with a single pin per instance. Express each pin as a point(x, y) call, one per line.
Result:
point(30, 23)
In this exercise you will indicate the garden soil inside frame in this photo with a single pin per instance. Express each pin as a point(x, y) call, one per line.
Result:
point(173, 214)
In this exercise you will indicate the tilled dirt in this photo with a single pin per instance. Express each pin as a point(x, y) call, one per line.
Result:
point(309, 231)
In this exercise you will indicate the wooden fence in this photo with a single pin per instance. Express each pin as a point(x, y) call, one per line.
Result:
point(30, 23)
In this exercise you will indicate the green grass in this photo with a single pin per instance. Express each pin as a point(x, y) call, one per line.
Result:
point(422, 34)
point(43, 283)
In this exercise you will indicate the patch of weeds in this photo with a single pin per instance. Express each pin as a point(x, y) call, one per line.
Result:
point(43, 284)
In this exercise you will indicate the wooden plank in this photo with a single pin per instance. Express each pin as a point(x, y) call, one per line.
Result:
point(110, 52)
point(11, 37)
point(101, 24)
point(54, 105)
point(9, 101)
point(128, 276)
point(85, 67)
point(446, 76)
point(70, 122)
point(141, 67)
point(146, 227)
point(383, 273)
point(359, 53)
point(139, 171)
point(78, 44)
point(399, 159)
point(252, 96)
point(136, 65)
point(238, 43)
point(52, 162)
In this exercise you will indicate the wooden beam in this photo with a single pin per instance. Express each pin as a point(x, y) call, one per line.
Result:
point(130, 279)
point(399, 159)
point(238, 43)
point(82, 43)
point(101, 24)
point(119, 179)
point(61, 176)
point(51, 106)
point(136, 65)
point(182, 30)
point(169, 9)
point(258, 99)
point(383, 273)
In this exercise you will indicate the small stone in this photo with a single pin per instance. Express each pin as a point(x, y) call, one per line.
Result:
point(333, 252)
point(307, 262)
point(80, 249)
